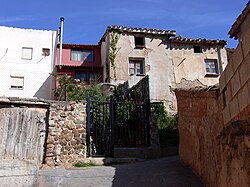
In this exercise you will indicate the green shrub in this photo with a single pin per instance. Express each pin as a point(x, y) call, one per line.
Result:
point(167, 126)
point(83, 164)
point(71, 90)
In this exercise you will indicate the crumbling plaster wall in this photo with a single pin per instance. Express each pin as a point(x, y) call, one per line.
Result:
point(191, 66)
point(158, 65)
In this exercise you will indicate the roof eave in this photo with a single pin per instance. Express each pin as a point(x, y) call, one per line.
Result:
point(233, 33)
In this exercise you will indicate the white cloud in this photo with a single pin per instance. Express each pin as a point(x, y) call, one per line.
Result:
point(13, 19)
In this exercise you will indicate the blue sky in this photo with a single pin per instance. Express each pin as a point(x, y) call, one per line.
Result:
point(86, 21)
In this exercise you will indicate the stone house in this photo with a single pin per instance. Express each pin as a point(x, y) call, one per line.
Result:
point(27, 61)
point(166, 59)
point(80, 62)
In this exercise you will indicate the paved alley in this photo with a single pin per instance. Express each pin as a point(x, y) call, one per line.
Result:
point(167, 172)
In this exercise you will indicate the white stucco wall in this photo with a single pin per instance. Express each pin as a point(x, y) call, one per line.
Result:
point(38, 81)
point(191, 66)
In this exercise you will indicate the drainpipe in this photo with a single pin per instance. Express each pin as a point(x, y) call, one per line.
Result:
point(60, 39)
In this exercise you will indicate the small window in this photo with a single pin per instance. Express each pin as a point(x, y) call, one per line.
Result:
point(81, 76)
point(93, 77)
point(197, 49)
point(16, 83)
point(46, 52)
point(211, 67)
point(136, 67)
point(27, 53)
point(139, 42)
point(82, 55)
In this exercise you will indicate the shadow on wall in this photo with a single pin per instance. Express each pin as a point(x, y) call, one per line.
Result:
point(45, 90)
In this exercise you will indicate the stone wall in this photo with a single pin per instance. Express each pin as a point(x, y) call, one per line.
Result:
point(215, 124)
point(217, 152)
point(66, 141)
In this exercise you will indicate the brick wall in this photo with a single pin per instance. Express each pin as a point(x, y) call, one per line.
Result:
point(217, 152)
point(200, 122)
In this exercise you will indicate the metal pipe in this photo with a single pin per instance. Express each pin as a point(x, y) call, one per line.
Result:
point(61, 37)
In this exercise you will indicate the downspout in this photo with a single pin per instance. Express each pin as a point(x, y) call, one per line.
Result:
point(60, 40)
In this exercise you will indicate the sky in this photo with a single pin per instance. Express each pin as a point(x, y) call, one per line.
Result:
point(86, 21)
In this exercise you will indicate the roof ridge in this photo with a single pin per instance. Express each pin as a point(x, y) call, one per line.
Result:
point(142, 30)
point(180, 39)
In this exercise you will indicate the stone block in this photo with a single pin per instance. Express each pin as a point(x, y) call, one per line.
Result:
point(244, 70)
point(68, 136)
point(244, 97)
point(69, 124)
point(237, 57)
point(222, 81)
point(228, 93)
point(235, 83)
point(246, 43)
point(50, 140)
point(234, 107)
point(63, 114)
point(82, 130)
point(226, 115)
point(229, 71)
point(247, 141)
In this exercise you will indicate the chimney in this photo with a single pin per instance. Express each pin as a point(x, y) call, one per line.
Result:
point(60, 40)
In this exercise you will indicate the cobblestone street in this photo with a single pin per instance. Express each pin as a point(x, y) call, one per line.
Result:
point(167, 172)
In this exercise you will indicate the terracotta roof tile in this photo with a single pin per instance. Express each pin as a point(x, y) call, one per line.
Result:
point(180, 39)
point(141, 30)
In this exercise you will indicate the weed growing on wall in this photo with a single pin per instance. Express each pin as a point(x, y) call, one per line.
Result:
point(114, 37)
point(167, 125)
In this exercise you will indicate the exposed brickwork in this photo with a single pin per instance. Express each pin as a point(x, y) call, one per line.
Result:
point(218, 152)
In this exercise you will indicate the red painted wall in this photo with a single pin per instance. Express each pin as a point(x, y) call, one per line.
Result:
point(69, 67)
point(66, 55)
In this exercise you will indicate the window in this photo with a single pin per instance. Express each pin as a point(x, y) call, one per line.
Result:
point(27, 53)
point(81, 76)
point(16, 82)
point(136, 67)
point(93, 77)
point(211, 67)
point(46, 52)
point(197, 49)
point(82, 55)
point(139, 42)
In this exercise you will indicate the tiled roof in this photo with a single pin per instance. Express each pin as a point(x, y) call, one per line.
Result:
point(141, 30)
point(235, 27)
point(212, 88)
point(180, 39)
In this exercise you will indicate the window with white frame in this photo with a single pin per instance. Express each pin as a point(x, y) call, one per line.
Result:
point(82, 55)
point(211, 67)
point(27, 53)
point(16, 82)
point(136, 67)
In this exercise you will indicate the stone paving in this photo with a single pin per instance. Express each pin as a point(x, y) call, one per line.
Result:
point(167, 172)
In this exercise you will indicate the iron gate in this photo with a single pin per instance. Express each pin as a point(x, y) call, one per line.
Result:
point(111, 123)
